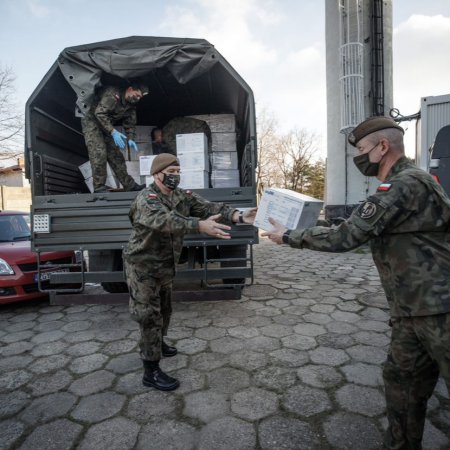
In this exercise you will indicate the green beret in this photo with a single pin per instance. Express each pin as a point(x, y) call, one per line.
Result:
point(371, 125)
point(162, 161)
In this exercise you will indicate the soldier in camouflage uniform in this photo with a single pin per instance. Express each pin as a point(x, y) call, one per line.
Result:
point(160, 216)
point(112, 106)
point(407, 222)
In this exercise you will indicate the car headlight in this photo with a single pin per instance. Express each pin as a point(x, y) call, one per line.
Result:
point(5, 268)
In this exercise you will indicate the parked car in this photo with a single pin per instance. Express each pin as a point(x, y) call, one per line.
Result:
point(19, 265)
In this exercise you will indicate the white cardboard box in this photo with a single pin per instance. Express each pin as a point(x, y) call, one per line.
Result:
point(224, 161)
point(225, 178)
point(292, 209)
point(194, 179)
point(223, 142)
point(86, 171)
point(145, 164)
point(192, 142)
point(193, 160)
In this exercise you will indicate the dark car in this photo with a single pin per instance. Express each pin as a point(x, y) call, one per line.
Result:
point(440, 158)
point(19, 265)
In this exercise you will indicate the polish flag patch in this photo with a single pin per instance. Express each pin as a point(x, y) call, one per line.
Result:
point(384, 187)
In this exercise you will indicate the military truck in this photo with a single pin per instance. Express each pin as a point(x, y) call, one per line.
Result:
point(186, 77)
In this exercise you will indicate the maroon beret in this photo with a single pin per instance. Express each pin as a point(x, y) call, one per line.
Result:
point(371, 125)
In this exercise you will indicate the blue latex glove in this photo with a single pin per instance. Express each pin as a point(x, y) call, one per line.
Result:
point(133, 145)
point(119, 139)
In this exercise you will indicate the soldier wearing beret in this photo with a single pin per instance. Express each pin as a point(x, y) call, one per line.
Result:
point(160, 216)
point(112, 106)
point(407, 223)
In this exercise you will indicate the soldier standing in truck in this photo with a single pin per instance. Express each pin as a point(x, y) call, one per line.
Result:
point(160, 216)
point(112, 106)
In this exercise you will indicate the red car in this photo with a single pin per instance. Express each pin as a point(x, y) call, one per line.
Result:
point(18, 264)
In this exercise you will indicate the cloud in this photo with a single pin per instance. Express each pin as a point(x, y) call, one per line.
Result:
point(38, 9)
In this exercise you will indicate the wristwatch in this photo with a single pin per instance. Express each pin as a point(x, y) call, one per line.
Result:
point(241, 217)
point(286, 236)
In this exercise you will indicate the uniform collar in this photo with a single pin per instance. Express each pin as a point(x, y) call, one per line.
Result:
point(402, 164)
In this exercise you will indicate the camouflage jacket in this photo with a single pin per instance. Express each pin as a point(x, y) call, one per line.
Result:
point(160, 222)
point(407, 222)
point(110, 108)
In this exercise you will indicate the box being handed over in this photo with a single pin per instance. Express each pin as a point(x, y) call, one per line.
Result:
point(292, 209)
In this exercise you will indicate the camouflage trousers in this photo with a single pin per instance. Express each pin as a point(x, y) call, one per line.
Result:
point(151, 307)
point(419, 351)
point(101, 149)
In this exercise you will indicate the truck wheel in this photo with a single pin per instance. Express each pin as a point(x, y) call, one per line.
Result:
point(233, 251)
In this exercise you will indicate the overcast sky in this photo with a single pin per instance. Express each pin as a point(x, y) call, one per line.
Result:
point(277, 46)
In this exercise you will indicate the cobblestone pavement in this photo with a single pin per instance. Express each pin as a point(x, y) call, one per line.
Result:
point(294, 364)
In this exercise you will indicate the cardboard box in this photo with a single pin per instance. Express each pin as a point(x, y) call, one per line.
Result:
point(191, 142)
point(219, 123)
point(145, 164)
point(194, 179)
point(193, 160)
point(223, 142)
point(292, 209)
point(86, 171)
point(225, 178)
point(224, 161)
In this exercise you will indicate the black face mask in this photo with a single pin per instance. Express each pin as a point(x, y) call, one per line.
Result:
point(171, 181)
point(365, 166)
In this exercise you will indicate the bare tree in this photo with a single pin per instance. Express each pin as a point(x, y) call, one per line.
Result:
point(11, 120)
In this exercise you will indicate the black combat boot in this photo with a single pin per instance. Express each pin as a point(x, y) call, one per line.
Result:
point(137, 187)
point(155, 377)
point(167, 350)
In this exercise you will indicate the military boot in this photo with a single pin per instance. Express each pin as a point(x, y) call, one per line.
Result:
point(167, 350)
point(155, 377)
point(137, 187)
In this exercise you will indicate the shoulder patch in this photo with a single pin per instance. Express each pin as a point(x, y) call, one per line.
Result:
point(384, 187)
point(367, 210)
point(188, 192)
point(152, 197)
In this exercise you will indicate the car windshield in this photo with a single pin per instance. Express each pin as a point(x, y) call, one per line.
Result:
point(14, 227)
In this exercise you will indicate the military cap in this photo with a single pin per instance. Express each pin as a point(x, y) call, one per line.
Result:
point(162, 161)
point(371, 125)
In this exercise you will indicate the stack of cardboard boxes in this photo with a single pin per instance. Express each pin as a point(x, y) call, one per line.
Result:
point(192, 151)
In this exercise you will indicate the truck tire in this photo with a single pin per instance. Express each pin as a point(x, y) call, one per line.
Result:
point(108, 260)
point(233, 251)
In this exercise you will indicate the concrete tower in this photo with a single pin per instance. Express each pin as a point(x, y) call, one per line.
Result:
point(359, 85)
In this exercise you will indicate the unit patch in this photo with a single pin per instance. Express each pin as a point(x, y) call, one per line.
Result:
point(367, 210)
point(152, 197)
point(384, 187)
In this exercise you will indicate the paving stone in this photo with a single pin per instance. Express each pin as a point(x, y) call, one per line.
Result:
point(227, 433)
point(373, 325)
point(286, 433)
point(254, 403)
point(228, 380)
point(152, 404)
point(118, 347)
point(98, 309)
point(19, 326)
point(225, 322)
point(227, 344)
point(309, 329)
point(275, 378)
point(289, 357)
point(371, 338)
point(88, 363)
point(341, 327)
point(343, 316)
point(49, 336)
point(441, 389)
point(168, 435)
point(110, 335)
point(192, 345)
point(24, 317)
point(210, 333)
point(114, 434)
point(303, 302)
point(351, 431)
point(268, 311)
point(16, 348)
point(11, 381)
point(248, 360)
point(50, 348)
point(306, 401)
point(334, 340)
point(48, 407)
point(299, 342)
point(278, 303)
point(328, 356)
point(296, 310)
point(48, 326)
point(434, 439)
point(49, 383)
point(50, 317)
point(375, 314)
point(318, 318)
point(49, 363)
point(206, 405)
point(75, 309)
point(92, 383)
point(83, 348)
point(198, 322)
point(276, 330)
point(319, 376)
point(79, 325)
point(10, 432)
point(179, 332)
point(79, 336)
point(208, 361)
point(58, 435)
point(98, 407)
point(367, 354)
point(11, 403)
point(363, 400)
point(14, 362)
point(170, 364)
point(287, 319)
point(366, 374)
point(322, 308)
point(350, 306)
point(262, 344)
point(17, 336)
point(124, 363)
point(243, 332)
